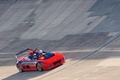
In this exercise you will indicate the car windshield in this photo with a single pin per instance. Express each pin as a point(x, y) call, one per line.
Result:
point(48, 55)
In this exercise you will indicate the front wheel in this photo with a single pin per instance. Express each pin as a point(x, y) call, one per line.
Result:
point(19, 67)
point(38, 66)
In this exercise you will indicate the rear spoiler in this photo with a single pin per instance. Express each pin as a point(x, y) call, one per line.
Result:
point(22, 51)
point(16, 56)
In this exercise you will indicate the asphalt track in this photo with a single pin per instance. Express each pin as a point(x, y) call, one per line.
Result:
point(87, 32)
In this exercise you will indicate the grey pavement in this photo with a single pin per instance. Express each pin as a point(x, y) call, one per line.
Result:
point(87, 32)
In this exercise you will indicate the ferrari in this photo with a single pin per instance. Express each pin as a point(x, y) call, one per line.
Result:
point(51, 60)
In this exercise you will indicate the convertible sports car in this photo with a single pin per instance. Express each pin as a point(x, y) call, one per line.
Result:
point(50, 60)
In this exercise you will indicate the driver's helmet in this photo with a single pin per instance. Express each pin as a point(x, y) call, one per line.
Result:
point(40, 51)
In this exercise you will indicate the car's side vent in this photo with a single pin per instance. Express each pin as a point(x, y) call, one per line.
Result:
point(57, 62)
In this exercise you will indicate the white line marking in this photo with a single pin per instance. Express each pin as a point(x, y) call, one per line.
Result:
point(76, 51)
point(3, 59)
point(110, 50)
point(7, 53)
point(73, 51)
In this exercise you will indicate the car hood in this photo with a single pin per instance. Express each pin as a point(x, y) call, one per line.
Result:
point(53, 59)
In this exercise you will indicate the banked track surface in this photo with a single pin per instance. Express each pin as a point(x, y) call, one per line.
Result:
point(85, 31)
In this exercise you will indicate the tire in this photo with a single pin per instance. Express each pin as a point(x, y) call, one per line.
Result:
point(19, 67)
point(38, 66)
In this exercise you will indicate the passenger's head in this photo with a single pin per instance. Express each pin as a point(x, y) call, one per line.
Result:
point(31, 52)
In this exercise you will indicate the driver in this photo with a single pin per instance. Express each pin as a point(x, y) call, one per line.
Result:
point(41, 54)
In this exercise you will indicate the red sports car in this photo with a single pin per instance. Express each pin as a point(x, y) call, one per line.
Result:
point(47, 61)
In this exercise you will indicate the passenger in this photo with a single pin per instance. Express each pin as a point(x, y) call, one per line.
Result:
point(31, 55)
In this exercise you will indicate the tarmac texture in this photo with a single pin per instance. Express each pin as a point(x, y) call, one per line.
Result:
point(87, 32)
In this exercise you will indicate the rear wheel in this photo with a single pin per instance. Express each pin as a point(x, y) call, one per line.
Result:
point(38, 66)
point(19, 67)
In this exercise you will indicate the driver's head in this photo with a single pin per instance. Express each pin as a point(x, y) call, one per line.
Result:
point(40, 51)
